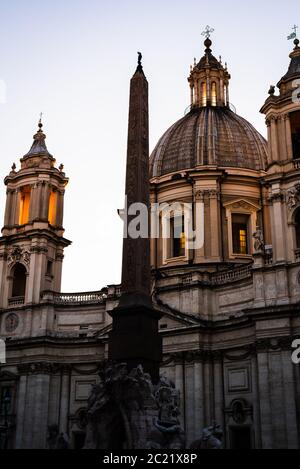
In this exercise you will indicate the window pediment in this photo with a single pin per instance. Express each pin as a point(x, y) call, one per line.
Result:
point(8, 376)
point(241, 205)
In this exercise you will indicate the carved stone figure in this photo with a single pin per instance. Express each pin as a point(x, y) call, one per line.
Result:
point(17, 254)
point(140, 56)
point(211, 438)
point(271, 90)
point(126, 411)
point(57, 440)
point(292, 198)
point(259, 244)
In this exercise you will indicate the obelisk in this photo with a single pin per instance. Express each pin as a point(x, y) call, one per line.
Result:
point(135, 339)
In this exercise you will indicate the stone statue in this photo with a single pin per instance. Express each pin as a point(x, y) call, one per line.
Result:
point(140, 56)
point(211, 438)
point(271, 90)
point(57, 440)
point(259, 244)
point(292, 198)
point(126, 411)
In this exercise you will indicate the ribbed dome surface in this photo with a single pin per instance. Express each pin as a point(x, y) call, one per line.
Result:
point(209, 136)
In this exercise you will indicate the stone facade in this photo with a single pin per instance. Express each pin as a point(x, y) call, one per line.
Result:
point(229, 318)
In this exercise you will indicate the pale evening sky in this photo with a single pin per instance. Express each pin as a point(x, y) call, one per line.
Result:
point(73, 59)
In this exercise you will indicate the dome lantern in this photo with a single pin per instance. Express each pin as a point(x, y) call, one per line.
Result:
point(209, 80)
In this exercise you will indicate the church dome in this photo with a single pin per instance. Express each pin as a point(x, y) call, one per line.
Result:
point(209, 136)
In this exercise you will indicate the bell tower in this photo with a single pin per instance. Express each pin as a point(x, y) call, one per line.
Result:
point(32, 242)
point(282, 182)
point(283, 114)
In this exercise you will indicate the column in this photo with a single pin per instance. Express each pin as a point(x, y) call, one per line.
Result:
point(282, 138)
point(40, 425)
point(264, 396)
point(45, 201)
point(189, 403)
point(278, 224)
point(274, 138)
point(33, 202)
point(288, 133)
point(58, 270)
point(14, 220)
point(214, 215)
point(198, 399)
point(8, 208)
point(289, 400)
point(29, 412)
point(64, 400)
point(227, 94)
point(38, 204)
point(60, 208)
point(199, 199)
point(269, 156)
point(209, 416)
point(179, 384)
point(218, 392)
point(207, 88)
point(277, 400)
point(221, 95)
point(21, 405)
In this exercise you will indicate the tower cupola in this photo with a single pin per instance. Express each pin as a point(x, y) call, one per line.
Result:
point(209, 79)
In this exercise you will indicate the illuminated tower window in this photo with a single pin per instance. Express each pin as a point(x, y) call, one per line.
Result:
point(213, 93)
point(240, 234)
point(203, 94)
point(24, 206)
point(52, 208)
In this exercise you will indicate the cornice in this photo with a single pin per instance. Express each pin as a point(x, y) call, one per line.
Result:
point(265, 345)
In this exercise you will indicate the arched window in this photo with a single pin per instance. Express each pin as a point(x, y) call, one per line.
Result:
point(19, 281)
point(297, 228)
point(213, 93)
point(203, 94)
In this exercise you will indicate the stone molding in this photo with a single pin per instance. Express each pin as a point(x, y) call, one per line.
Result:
point(261, 345)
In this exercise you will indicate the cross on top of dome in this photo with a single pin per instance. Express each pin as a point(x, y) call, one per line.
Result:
point(294, 34)
point(207, 32)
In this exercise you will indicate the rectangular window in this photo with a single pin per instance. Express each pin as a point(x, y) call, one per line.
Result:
point(213, 94)
point(49, 268)
point(177, 237)
point(240, 235)
point(203, 94)
point(52, 208)
point(24, 206)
